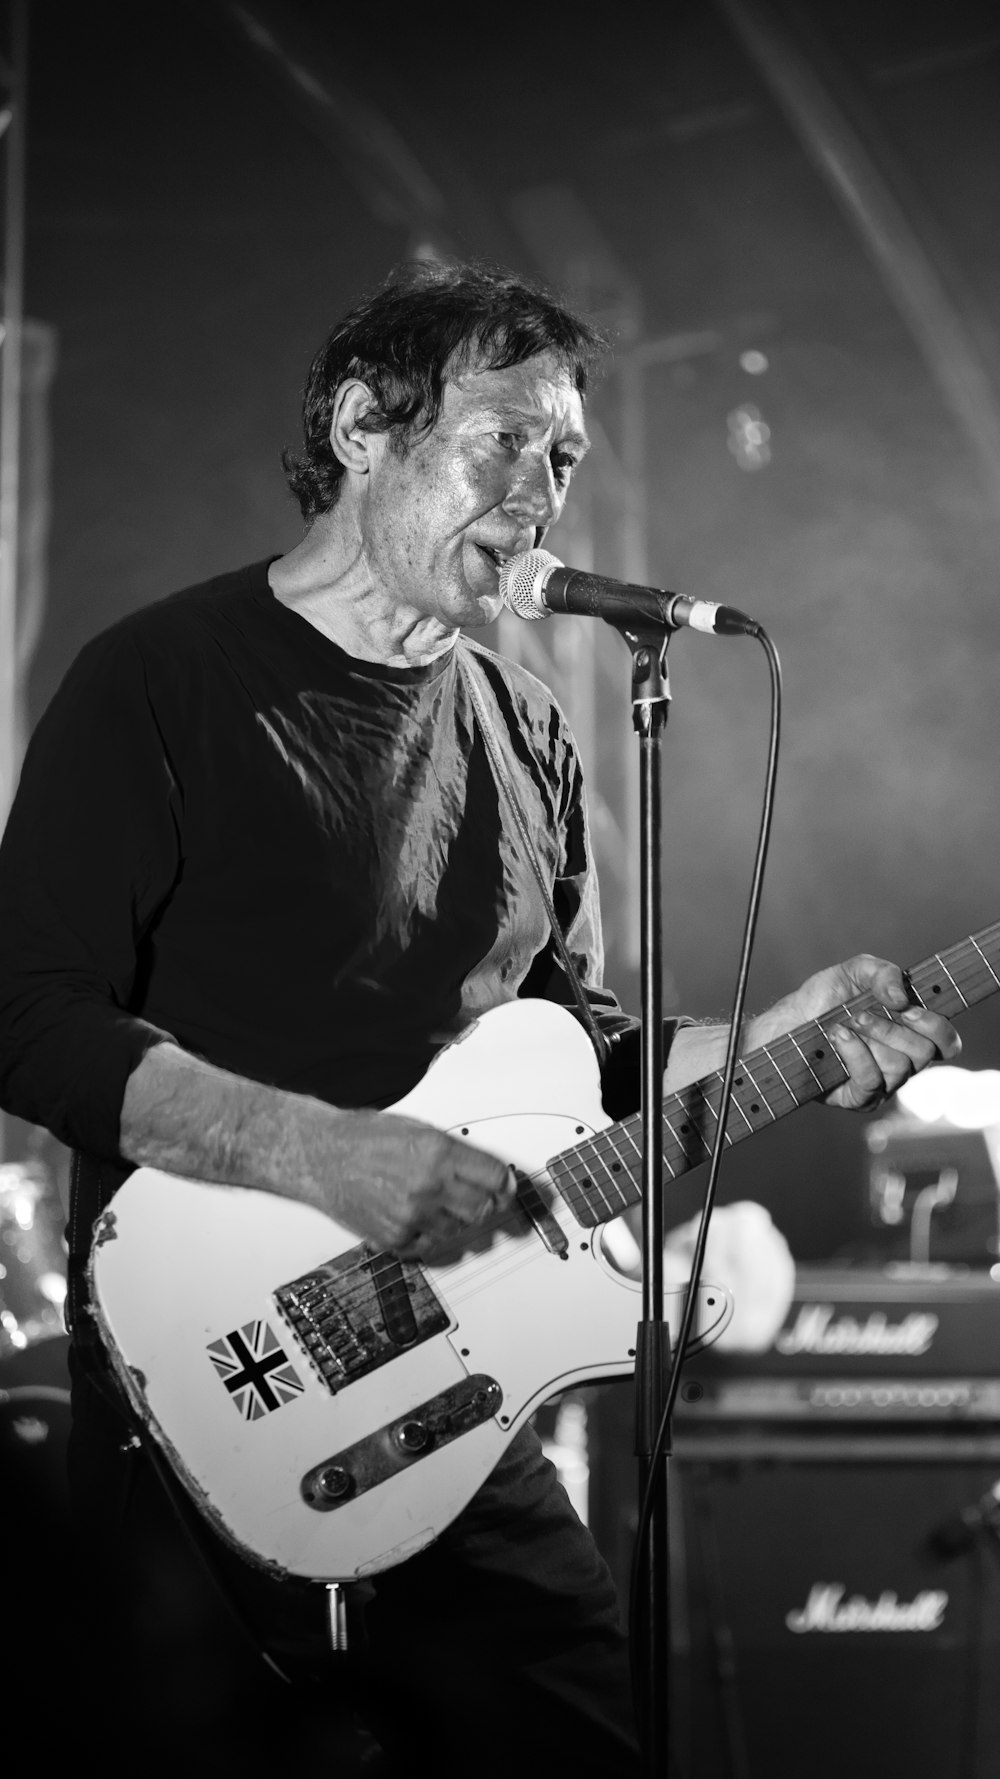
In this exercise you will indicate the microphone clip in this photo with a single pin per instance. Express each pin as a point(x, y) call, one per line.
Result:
point(650, 674)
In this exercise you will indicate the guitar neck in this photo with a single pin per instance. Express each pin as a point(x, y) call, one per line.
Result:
point(601, 1178)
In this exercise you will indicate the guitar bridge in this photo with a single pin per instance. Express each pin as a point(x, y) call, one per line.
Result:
point(360, 1311)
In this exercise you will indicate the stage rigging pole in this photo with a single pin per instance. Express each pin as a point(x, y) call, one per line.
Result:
point(13, 81)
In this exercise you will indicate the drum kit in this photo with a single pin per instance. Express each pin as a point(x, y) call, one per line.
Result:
point(34, 1379)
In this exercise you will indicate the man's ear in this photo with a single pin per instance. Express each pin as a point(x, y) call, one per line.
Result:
point(350, 441)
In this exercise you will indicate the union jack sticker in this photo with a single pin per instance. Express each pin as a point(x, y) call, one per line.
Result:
point(255, 1370)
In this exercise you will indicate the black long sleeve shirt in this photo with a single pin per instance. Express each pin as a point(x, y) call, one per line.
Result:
point(295, 864)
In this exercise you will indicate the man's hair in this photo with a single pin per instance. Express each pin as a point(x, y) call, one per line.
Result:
point(427, 318)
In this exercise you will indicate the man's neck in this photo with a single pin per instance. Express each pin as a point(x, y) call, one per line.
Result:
point(328, 585)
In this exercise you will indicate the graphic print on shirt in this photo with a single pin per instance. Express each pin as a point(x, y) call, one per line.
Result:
point(255, 1370)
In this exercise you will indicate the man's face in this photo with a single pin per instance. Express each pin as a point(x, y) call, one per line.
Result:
point(483, 484)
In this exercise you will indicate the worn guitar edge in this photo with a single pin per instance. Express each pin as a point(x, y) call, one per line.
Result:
point(534, 1317)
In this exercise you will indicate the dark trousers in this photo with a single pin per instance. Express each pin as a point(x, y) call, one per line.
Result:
point(498, 1648)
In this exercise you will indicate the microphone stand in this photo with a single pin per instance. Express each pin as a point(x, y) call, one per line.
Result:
point(650, 704)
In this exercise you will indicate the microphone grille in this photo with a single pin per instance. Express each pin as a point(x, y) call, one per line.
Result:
point(522, 579)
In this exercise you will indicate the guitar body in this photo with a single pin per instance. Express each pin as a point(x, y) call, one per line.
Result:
point(331, 1409)
point(326, 1447)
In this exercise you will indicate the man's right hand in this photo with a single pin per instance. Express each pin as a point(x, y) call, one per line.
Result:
point(410, 1187)
point(395, 1182)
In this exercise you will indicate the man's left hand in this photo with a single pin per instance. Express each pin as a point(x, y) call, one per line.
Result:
point(880, 1050)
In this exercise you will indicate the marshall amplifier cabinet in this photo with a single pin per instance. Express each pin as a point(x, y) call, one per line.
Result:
point(835, 1535)
point(905, 1345)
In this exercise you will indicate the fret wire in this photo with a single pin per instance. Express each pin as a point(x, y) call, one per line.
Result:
point(805, 1059)
point(680, 1154)
point(574, 1197)
point(590, 1186)
point(571, 1188)
point(626, 1127)
point(717, 1079)
point(951, 979)
point(612, 1193)
point(986, 961)
point(735, 1099)
point(772, 1059)
point(680, 1145)
point(990, 936)
point(700, 1089)
point(969, 970)
point(568, 1187)
point(795, 1061)
point(922, 984)
point(593, 1150)
point(685, 1096)
point(608, 1138)
point(964, 968)
point(697, 1086)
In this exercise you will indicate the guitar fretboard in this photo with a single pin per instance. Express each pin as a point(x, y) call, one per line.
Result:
point(601, 1178)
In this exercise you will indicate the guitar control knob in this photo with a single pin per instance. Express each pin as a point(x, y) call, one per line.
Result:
point(334, 1484)
point(412, 1437)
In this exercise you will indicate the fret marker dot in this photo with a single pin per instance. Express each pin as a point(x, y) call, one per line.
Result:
point(739, 1081)
point(936, 988)
point(818, 1054)
point(755, 1107)
point(616, 1167)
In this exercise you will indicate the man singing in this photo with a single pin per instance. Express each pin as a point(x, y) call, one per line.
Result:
point(259, 873)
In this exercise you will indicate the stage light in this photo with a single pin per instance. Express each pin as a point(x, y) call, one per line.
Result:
point(966, 1098)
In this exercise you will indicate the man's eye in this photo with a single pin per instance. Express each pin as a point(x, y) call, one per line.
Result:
point(562, 467)
point(508, 440)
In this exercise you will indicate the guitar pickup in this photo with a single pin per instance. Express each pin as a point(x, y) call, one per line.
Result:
point(400, 1443)
point(534, 1207)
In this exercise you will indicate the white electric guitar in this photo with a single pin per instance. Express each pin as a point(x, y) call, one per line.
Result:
point(330, 1408)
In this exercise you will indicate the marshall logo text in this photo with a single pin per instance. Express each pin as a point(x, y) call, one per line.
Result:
point(815, 1331)
point(827, 1610)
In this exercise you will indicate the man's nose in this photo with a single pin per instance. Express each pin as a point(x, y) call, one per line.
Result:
point(533, 494)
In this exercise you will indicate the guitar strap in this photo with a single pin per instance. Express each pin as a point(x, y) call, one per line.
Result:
point(505, 785)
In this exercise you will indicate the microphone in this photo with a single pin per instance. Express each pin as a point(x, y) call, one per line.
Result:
point(536, 584)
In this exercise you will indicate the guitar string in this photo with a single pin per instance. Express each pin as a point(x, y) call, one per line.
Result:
point(604, 1142)
point(598, 1146)
point(379, 1263)
point(477, 1267)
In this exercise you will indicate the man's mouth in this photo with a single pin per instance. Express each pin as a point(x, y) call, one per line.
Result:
point(497, 557)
